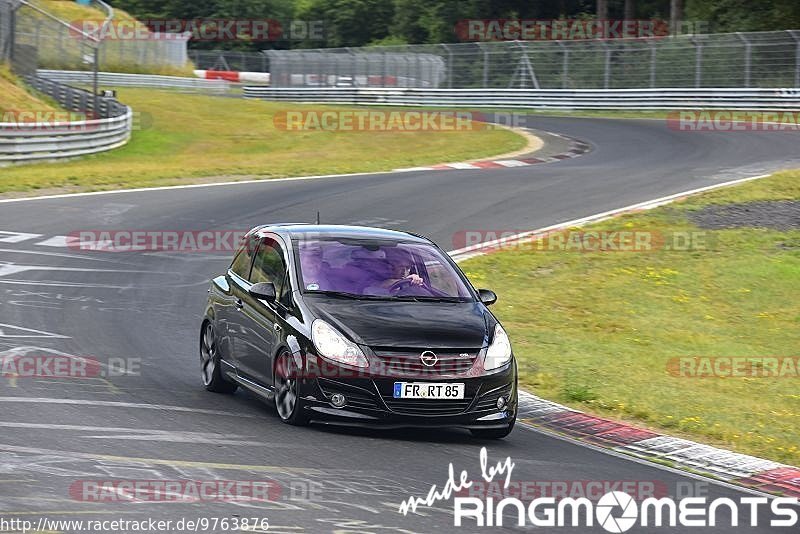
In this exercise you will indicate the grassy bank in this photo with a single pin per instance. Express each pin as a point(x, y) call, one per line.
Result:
point(186, 138)
point(14, 97)
point(600, 330)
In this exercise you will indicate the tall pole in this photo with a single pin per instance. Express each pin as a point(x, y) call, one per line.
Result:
point(95, 83)
point(630, 9)
point(675, 15)
point(602, 12)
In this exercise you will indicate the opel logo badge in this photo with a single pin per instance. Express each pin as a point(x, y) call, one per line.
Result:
point(428, 358)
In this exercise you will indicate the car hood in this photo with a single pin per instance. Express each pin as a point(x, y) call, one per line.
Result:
point(406, 324)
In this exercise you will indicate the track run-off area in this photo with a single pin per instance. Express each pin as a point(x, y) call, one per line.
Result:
point(146, 416)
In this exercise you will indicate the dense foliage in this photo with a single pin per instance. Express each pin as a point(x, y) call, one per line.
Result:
point(365, 22)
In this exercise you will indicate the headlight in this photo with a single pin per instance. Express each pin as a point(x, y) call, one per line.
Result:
point(334, 346)
point(499, 352)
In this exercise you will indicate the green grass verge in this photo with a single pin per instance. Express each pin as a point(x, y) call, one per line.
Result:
point(186, 138)
point(596, 330)
point(14, 97)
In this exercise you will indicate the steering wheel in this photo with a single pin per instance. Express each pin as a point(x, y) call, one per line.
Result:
point(406, 281)
point(400, 283)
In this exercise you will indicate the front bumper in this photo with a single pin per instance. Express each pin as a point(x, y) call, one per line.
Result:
point(370, 402)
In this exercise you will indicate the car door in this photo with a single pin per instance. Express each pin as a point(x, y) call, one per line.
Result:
point(229, 316)
point(264, 322)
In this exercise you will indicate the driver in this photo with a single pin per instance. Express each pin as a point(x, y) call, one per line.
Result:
point(401, 263)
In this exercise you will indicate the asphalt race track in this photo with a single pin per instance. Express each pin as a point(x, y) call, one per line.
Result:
point(159, 423)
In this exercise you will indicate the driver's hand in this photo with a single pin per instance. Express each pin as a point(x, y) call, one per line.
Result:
point(416, 280)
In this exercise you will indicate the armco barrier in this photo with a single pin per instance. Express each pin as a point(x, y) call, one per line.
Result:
point(638, 99)
point(117, 79)
point(63, 140)
point(28, 142)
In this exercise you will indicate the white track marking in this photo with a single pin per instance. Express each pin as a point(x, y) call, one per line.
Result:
point(16, 237)
point(55, 255)
point(8, 330)
point(61, 241)
point(480, 248)
point(10, 268)
point(511, 163)
point(463, 166)
point(194, 186)
point(143, 434)
point(160, 407)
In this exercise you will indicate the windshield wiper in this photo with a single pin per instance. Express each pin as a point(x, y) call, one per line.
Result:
point(346, 295)
point(439, 299)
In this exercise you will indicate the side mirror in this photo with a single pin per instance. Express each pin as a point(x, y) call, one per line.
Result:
point(263, 291)
point(487, 297)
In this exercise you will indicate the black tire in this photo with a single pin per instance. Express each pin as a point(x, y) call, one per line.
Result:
point(287, 400)
point(210, 364)
point(494, 433)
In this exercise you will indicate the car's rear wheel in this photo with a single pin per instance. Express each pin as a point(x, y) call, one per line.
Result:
point(287, 399)
point(494, 433)
point(209, 362)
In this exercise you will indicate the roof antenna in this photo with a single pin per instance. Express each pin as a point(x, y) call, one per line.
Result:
point(318, 218)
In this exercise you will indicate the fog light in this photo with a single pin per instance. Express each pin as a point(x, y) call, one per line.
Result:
point(501, 402)
point(338, 400)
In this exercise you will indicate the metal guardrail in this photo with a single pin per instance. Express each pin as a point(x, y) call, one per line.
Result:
point(115, 79)
point(566, 99)
point(28, 142)
point(74, 99)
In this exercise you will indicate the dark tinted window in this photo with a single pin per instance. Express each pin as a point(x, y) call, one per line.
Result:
point(244, 258)
point(270, 266)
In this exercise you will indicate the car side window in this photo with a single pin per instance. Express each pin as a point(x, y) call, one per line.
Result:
point(270, 267)
point(244, 258)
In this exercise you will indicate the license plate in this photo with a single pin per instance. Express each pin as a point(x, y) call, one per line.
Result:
point(428, 390)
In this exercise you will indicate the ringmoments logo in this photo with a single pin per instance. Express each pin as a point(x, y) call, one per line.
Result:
point(615, 511)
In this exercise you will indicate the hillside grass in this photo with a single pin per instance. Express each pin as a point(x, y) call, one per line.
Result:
point(599, 330)
point(15, 97)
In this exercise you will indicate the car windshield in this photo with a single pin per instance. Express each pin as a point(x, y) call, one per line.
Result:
point(379, 269)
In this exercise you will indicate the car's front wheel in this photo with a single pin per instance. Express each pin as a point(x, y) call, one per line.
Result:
point(287, 398)
point(209, 362)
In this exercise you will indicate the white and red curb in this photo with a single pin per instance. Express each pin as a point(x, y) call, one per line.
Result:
point(749, 471)
point(234, 76)
point(576, 148)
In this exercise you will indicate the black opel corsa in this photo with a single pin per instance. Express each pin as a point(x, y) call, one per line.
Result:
point(358, 326)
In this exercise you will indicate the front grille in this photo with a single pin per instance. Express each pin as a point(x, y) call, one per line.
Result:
point(356, 397)
point(427, 407)
point(407, 362)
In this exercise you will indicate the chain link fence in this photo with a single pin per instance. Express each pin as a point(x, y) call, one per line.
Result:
point(231, 60)
point(356, 67)
point(64, 44)
point(760, 59)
